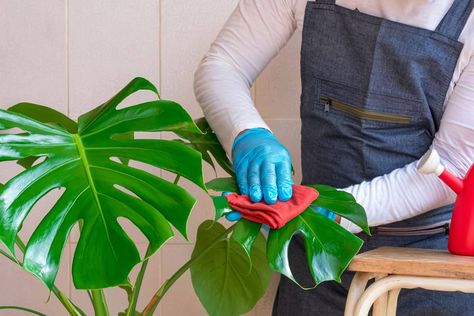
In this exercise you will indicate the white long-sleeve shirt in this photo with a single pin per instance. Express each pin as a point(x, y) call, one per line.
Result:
point(255, 33)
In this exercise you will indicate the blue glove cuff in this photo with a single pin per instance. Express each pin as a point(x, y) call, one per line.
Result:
point(257, 130)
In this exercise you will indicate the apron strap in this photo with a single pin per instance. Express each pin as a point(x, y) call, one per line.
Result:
point(330, 2)
point(455, 19)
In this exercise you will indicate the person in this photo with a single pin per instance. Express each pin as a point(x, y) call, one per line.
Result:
point(382, 82)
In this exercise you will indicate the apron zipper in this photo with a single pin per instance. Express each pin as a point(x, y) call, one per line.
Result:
point(363, 114)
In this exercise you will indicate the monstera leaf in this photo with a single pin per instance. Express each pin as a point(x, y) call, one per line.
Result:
point(329, 247)
point(229, 273)
point(97, 189)
point(42, 114)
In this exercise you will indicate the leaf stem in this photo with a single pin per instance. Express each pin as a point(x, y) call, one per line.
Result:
point(138, 284)
point(155, 300)
point(68, 305)
point(177, 179)
point(65, 301)
point(23, 309)
point(99, 303)
point(6, 255)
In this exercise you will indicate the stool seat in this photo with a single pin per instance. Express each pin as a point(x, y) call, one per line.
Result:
point(395, 268)
point(413, 261)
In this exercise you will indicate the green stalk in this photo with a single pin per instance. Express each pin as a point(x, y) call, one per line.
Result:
point(177, 179)
point(70, 306)
point(23, 309)
point(67, 303)
point(99, 303)
point(156, 299)
point(6, 255)
point(138, 284)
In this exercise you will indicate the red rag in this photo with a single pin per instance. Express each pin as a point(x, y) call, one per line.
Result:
point(275, 215)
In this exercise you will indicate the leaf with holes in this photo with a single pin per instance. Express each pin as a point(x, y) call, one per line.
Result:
point(329, 247)
point(97, 189)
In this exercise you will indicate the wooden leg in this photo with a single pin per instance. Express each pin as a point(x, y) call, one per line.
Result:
point(380, 305)
point(408, 282)
point(392, 302)
point(358, 284)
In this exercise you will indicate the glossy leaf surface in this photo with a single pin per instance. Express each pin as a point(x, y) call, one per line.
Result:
point(42, 114)
point(223, 185)
point(225, 279)
point(329, 247)
point(341, 203)
point(97, 190)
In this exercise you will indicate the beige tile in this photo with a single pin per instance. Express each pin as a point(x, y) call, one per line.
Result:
point(116, 298)
point(288, 133)
point(110, 43)
point(189, 27)
point(203, 210)
point(180, 299)
point(21, 288)
point(33, 56)
point(278, 88)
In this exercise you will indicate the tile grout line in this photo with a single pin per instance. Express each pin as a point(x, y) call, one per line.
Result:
point(68, 109)
point(160, 85)
point(67, 57)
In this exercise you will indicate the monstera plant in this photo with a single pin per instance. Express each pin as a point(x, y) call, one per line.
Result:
point(91, 163)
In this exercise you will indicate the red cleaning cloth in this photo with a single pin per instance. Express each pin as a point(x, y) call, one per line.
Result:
point(275, 215)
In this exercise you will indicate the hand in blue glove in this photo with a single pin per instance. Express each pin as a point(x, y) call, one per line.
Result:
point(262, 166)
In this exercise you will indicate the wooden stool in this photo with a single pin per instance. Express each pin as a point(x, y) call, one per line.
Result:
point(394, 269)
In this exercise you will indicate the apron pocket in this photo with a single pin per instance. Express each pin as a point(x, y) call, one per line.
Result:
point(367, 108)
point(329, 104)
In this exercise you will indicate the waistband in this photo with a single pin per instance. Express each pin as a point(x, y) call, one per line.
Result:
point(431, 229)
point(433, 222)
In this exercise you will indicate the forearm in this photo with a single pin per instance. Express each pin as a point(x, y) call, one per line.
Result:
point(226, 101)
point(253, 35)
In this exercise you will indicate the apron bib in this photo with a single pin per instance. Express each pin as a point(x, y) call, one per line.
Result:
point(373, 94)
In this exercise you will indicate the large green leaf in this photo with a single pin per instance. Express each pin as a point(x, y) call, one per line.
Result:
point(329, 247)
point(223, 185)
point(45, 114)
point(97, 189)
point(341, 203)
point(226, 280)
point(42, 114)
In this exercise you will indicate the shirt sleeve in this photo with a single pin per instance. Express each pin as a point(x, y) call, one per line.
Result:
point(405, 192)
point(255, 32)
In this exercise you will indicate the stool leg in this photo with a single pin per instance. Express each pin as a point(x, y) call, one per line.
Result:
point(358, 284)
point(380, 305)
point(409, 282)
point(392, 302)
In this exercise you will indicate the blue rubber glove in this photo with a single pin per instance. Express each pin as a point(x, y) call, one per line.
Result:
point(262, 166)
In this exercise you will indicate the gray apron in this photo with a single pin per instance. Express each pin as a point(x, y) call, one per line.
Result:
point(373, 94)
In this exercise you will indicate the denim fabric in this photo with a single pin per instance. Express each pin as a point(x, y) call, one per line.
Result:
point(373, 94)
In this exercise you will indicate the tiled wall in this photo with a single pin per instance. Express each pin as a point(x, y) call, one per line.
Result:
point(72, 55)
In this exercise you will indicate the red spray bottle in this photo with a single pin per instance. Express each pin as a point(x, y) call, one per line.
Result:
point(461, 232)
